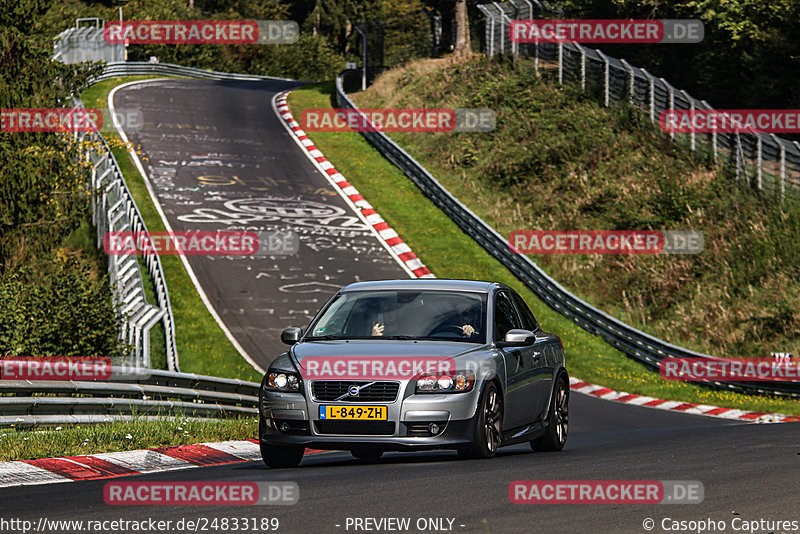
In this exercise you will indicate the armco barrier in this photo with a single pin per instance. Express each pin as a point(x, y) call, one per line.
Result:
point(114, 210)
point(155, 394)
point(635, 343)
point(158, 393)
point(143, 68)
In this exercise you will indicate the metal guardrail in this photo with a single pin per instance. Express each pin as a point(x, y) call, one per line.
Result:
point(635, 343)
point(144, 68)
point(114, 210)
point(765, 161)
point(151, 395)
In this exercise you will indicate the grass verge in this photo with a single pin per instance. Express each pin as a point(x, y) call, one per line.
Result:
point(120, 436)
point(450, 253)
point(202, 346)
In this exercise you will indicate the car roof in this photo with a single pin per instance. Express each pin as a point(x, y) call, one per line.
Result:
point(429, 284)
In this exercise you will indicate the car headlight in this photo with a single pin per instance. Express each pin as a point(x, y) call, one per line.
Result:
point(283, 381)
point(458, 383)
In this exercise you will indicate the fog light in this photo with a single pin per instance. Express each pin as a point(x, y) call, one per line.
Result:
point(284, 426)
point(433, 428)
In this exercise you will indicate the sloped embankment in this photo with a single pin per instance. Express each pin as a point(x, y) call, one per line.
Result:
point(560, 161)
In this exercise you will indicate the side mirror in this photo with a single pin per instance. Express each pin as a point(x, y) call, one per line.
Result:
point(517, 337)
point(291, 335)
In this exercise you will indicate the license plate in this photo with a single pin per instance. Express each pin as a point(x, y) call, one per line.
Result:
point(356, 413)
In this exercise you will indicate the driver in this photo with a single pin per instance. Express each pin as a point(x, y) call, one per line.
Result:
point(466, 319)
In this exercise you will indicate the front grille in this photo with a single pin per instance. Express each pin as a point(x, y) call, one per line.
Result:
point(363, 428)
point(331, 390)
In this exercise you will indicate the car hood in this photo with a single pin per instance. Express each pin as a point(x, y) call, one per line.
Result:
point(366, 347)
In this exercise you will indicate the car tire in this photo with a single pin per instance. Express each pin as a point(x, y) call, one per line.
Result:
point(367, 455)
point(488, 423)
point(279, 456)
point(555, 436)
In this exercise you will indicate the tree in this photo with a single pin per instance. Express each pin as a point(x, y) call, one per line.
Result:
point(462, 30)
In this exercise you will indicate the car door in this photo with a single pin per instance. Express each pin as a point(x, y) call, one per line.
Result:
point(543, 358)
point(521, 403)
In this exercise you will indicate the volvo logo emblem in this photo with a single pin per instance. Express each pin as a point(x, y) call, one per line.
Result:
point(354, 391)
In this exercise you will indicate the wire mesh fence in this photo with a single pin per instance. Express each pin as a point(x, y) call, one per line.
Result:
point(86, 43)
point(766, 162)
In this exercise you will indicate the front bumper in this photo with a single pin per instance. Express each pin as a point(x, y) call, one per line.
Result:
point(292, 419)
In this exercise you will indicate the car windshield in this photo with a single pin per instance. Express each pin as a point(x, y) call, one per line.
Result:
point(404, 314)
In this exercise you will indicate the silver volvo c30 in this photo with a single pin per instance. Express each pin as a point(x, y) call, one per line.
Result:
point(415, 365)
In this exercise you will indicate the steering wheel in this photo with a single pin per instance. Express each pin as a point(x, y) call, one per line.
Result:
point(449, 329)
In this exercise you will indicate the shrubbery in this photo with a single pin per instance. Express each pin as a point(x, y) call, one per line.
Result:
point(55, 298)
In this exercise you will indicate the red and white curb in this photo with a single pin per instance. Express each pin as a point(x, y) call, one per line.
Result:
point(139, 462)
point(127, 463)
point(605, 393)
point(393, 242)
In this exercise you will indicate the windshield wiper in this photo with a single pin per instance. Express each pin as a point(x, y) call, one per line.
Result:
point(326, 337)
point(399, 337)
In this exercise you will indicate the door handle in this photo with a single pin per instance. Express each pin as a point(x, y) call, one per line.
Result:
point(536, 354)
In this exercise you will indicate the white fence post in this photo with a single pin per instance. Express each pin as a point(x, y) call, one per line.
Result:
point(632, 80)
point(652, 95)
point(671, 101)
point(502, 29)
point(692, 134)
point(783, 166)
point(606, 80)
point(759, 147)
point(491, 36)
point(714, 144)
point(583, 66)
point(560, 63)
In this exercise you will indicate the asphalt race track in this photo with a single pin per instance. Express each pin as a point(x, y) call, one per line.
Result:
point(219, 159)
point(748, 471)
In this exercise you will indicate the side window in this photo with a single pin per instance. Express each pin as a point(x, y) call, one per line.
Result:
point(528, 320)
point(505, 316)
